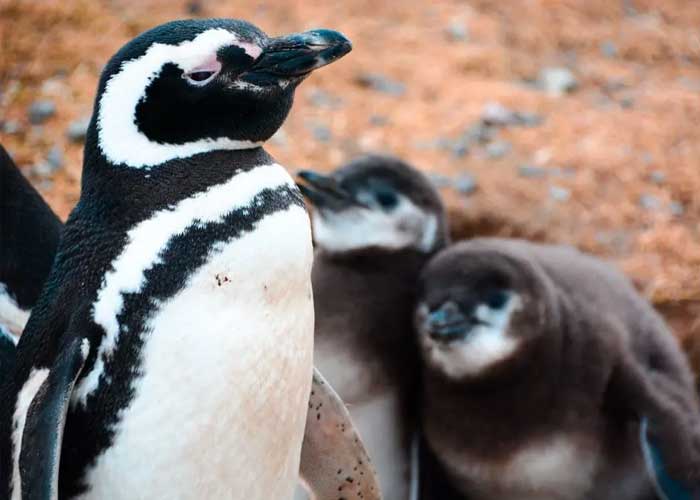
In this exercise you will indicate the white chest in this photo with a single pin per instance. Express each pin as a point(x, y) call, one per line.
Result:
point(558, 469)
point(220, 404)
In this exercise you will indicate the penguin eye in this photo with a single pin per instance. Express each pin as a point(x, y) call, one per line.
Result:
point(497, 299)
point(387, 199)
point(199, 78)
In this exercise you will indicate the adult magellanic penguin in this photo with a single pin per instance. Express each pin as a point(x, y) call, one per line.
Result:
point(543, 368)
point(29, 236)
point(377, 220)
point(169, 354)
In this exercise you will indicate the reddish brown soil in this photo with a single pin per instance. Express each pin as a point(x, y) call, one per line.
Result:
point(635, 113)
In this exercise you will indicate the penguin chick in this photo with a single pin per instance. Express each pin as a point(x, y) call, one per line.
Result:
point(29, 236)
point(376, 221)
point(540, 363)
point(169, 354)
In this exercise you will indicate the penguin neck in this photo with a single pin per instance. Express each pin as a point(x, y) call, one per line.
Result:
point(121, 195)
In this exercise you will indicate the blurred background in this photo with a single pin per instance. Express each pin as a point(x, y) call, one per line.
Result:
point(574, 121)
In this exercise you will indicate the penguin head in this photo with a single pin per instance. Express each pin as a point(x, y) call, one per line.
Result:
point(191, 86)
point(375, 202)
point(477, 309)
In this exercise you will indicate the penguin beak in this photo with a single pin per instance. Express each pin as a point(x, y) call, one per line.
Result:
point(295, 56)
point(323, 191)
point(448, 323)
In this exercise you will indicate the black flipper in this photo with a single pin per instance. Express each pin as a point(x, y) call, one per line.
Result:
point(667, 488)
point(7, 353)
point(46, 418)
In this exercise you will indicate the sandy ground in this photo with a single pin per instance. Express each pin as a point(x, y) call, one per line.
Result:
point(611, 166)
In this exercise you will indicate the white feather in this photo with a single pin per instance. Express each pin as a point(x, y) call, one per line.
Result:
point(12, 316)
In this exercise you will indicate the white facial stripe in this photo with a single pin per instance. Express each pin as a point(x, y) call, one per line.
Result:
point(150, 237)
point(485, 345)
point(119, 137)
point(12, 316)
point(407, 226)
point(24, 399)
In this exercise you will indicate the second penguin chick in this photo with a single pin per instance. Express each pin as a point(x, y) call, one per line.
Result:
point(376, 221)
point(540, 364)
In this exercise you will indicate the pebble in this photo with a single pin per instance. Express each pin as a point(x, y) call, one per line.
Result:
point(378, 120)
point(381, 83)
point(558, 193)
point(12, 127)
point(321, 133)
point(608, 49)
point(497, 115)
point(657, 177)
point(649, 202)
point(676, 208)
point(465, 183)
point(498, 149)
point(557, 80)
point(55, 157)
point(77, 129)
point(460, 147)
point(457, 31)
point(479, 133)
point(43, 169)
point(322, 99)
point(439, 180)
point(40, 111)
point(532, 171)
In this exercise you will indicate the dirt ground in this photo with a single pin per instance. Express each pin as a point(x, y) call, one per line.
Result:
point(611, 166)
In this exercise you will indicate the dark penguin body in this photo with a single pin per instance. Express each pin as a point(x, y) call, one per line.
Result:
point(181, 283)
point(540, 364)
point(29, 236)
point(376, 222)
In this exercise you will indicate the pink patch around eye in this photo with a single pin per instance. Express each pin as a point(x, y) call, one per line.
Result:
point(211, 65)
point(250, 48)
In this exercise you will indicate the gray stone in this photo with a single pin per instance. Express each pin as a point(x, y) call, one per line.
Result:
point(532, 171)
point(381, 83)
point(378, 120)
point(465, 183)
point(55, 157)
point(12, 127)
point(439, 180)
point(608, 49)
point(528, 119)
point(558, 193)
point(43, 169)
point(41, 110)
point(649, 202)
point(498, 149)
point(657, 177)
point(460, 147)
point(557, 80)
point(322, 99)
point(676, 208)
point(627, 102)
point(457, 31)
point(77, 129)
point(321, 133)
point(498, 115)
point(479, 133)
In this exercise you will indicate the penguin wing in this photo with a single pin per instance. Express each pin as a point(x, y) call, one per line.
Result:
point(7, 353)
point(46, 418)
point(666, 487)
point(334, 462)
point(669, 427)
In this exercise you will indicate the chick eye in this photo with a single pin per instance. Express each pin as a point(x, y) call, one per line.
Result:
point(387, 199)
point(497, 299)
point(199, 77)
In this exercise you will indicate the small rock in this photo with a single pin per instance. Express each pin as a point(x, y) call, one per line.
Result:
point(12, 127)
point(460, 147)
point(55, 157)
point(676, 208)
point(528, 119)
point(657, 177)
point(43, 169)
point(498, 149)
point(323, 99)
point(321, 133)
point(381, 83)
point(649, 202)
point(557, 80)
point(40, 111)
point(378, 120)
point(608, 49)
point(77, 130)
point(558, 193)
point(194, 7)
point(496, 114)
point(457, 31)
point(465, 183)
point(532, 171)
point(627, 102)
point(479, 133)
point(439, 180)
